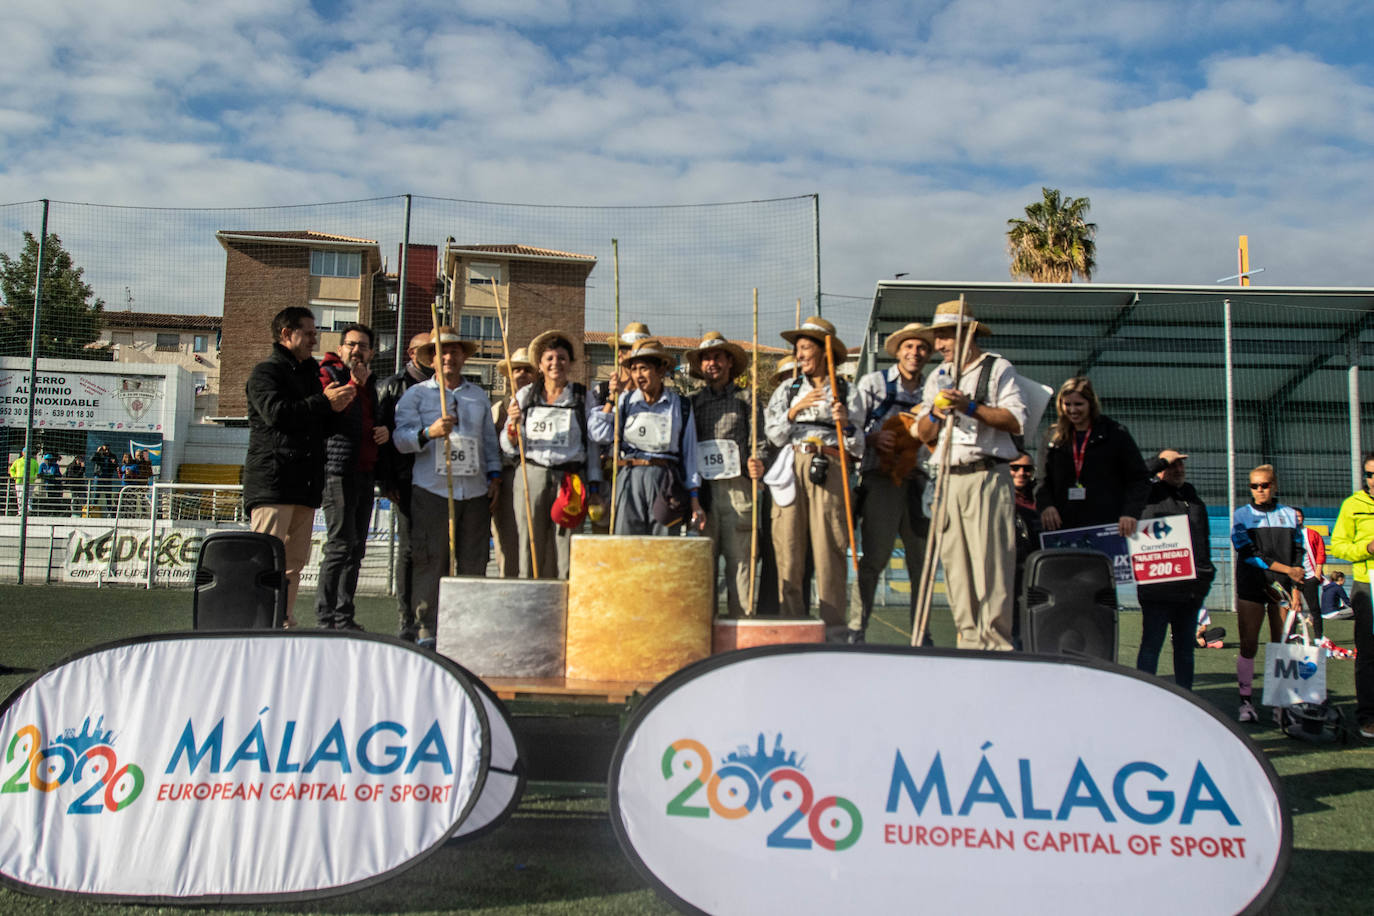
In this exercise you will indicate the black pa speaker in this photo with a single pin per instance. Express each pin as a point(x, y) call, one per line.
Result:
point(240, 582)
point(1069, 604)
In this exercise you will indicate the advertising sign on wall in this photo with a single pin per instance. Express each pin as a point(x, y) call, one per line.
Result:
point(251, 767)
point(748, 783)
point(83, 400)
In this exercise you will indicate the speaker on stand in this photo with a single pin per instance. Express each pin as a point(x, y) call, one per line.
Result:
point(1069, 604)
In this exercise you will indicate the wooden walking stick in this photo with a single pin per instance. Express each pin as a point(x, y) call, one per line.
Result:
point(844, 458)
point(754, 453)
point(519, 434)
point(932, 553)
point(448, 452)
point(615, 369)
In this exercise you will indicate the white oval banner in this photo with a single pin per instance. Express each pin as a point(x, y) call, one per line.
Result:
point(505, 782)
point(868, 780)
point(250, 766)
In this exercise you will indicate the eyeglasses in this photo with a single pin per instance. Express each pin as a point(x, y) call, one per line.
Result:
point(1030, 468)
point(1368, 474)
point(1262, 486)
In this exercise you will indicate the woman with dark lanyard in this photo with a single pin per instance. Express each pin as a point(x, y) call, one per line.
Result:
point(1269, 548)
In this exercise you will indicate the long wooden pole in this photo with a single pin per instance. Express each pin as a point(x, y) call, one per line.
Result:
point(754, 453)
point(844, 459)
point(615, 369)
point(519, 434)
point(448, 452)
point(933, 538)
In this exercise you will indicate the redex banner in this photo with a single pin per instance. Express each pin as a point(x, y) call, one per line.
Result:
point(251, 766)
point(833, 779)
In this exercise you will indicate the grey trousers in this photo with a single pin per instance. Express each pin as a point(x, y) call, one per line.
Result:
point(430, 547)
point(551, 541)
point(885, 517)
point(729, 522)
point(635, 489)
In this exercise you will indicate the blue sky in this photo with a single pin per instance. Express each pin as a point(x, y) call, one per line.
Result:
point(922, 125)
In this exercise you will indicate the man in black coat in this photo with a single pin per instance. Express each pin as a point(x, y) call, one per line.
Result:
point(350, 464)
point(1173, 606)
point(288, 408)
point(393, 476)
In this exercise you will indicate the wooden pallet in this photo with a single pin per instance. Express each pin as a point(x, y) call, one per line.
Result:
point(510, 688)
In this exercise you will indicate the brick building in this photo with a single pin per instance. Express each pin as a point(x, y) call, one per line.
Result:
point(340, 279)
point(538, 289)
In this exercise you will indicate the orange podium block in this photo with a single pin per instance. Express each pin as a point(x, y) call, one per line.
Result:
point(729, 633)
point(639, 608)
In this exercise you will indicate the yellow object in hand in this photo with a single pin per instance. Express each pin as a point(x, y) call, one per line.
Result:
point(942, 402)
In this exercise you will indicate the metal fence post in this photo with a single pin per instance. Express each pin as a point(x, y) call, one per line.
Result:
point(33, 380)
point(1352, 354)
point(1230, 439)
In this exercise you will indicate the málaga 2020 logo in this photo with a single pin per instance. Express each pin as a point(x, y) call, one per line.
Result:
point(748, 779)
point(84, 762)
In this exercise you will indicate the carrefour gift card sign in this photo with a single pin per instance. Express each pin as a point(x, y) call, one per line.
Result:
point(753, 782)
point(1162, 550)
point(252, 767)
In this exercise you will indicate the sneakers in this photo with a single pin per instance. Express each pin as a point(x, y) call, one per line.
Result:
point(854, 637)
point(1249, 714)
point(1367, 730)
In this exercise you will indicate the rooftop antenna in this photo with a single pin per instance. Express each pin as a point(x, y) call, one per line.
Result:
point(128, 300)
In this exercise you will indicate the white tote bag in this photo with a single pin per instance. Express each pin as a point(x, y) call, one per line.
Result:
point(1294, 672)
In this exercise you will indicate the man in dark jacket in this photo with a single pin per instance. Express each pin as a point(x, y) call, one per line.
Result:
point(350, 464)
point(393, 476)
point(288, 408)
point(1173, 606)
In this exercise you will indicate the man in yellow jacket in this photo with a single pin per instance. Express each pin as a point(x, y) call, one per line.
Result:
point(1353, 539)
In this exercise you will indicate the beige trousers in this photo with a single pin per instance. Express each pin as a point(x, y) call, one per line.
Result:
point(728, 524)
point(293, 526)
point(978, 551)
point(816, 519)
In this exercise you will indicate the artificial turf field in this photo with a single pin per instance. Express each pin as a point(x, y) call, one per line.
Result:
point(557, 854)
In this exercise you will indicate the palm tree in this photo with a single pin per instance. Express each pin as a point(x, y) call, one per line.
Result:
point(1054, 242)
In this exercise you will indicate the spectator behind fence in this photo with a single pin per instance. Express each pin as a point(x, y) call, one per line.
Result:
point(1093, 473)
point(49, 483)
point(1353, 539)
point(1269, 550)
point(1172, 606)
point(105, 474)
point(283, 472)
point(77, 485)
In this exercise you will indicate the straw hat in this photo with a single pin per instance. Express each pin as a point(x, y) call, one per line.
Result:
point(650, 348)
point(947, 316)
point(715, 341)
point(518, 360)
point(447, 335)
point(548, 339)
point(634, 332)
point(817, 328)
point(897, 338)
point(784, 369)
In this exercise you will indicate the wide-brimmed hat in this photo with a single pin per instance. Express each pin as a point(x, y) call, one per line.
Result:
point(634, 332)
point(818, 328)
point(947, 316)
point(519, 359)
point(650, 348)
point(447, 335)
point(715, 342)
point(897, 338)
point(548, 339)
point(785, 368)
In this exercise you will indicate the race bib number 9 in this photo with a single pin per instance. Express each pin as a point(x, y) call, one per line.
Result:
point(462, 456)
point(649, 432)
point(718, 459)
point(549, 427)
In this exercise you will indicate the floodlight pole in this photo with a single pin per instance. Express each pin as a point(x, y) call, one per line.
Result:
point(1352, 355)
point(1230, 437)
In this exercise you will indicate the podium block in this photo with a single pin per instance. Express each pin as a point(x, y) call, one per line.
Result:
point(639, 608)
point(728, 633)
point(503, 627)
